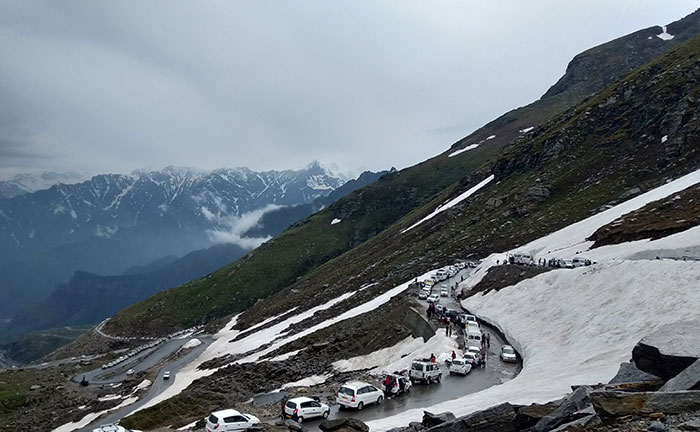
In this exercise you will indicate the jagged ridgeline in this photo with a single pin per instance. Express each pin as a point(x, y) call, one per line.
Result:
point(636, 133)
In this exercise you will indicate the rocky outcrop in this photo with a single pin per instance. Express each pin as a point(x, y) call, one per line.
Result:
point(501, 418)
point(629, 373)
point(430, 419)
point(617, 403)
point(669, 350)
point(343, 425)
point(573, 407)
point(689, 379)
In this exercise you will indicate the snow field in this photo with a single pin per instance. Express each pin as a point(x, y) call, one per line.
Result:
point(453, 202)
point(68, 427)
point(574, 327)
point(571, 239)
point(398, 357)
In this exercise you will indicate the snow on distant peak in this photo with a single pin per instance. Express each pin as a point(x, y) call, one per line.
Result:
point(467, 148)
point(664, 35)
point(318, 182)
point(490, 137)
point(664, 139)
point(336, 221)
point(527, 129)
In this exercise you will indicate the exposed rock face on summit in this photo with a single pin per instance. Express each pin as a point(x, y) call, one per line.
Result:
point(669, 350)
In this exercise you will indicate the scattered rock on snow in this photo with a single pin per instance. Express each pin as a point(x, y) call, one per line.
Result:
point(669, 350)
point(689, 379)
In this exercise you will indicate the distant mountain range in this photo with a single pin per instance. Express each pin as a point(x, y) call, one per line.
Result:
point(88, 297)
point(26, 183)
point(112, 222)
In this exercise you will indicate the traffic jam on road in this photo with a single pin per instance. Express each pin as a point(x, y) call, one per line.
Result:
point(358, 395)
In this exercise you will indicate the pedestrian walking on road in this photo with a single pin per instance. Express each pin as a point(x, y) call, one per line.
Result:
point(483, 361)
point(454, 355)
point(488, 340)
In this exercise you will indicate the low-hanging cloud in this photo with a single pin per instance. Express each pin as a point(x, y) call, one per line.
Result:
point(233, 228)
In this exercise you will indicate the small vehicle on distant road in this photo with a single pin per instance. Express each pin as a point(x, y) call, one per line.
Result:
point(129, 372)
point(166, 375)
point(423, 294)
point(434, 298)
point(508, 354)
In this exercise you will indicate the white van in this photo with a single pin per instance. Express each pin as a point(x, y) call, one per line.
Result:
point(424, 370)
point(580, 262)
point(523, 258)
point(474, 337)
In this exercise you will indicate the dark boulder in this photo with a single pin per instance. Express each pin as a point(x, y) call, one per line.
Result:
point(629, 373)
point(669, 350)
point(430, 419)
point(689, 379)
point(528, 416)
point(573, 407)
point(294, 426)
point(343, 425)
point(583, 422)
point(500, 418)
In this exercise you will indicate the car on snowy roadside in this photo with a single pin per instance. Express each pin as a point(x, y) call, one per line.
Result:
point(304, 408)
point(565, 263)
point(423, 294)
point(508, 354)
point(460, 366)
point(230, 420)
point(112, 428)
point(434, 298)
point(130, 372)
point(358, 395)
point(444, 292)
point(166, 375)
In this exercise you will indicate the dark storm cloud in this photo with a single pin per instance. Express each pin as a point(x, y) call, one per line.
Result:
point(114, 86)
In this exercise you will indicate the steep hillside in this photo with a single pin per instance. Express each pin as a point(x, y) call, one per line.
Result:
point(513, 211)
point(587, 74)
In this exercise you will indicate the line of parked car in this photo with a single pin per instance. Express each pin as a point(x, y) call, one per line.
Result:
point(133, 352)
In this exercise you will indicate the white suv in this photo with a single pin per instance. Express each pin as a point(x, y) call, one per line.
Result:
point(424, 370)
point(303, 408)
point(358, 395)
point(230, 420)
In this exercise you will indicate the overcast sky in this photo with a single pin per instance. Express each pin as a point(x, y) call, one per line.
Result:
point(98, 86)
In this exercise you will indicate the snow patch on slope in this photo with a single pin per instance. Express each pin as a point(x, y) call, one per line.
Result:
point(399, 356)
point(460, 151)
point(453, 202)
point(665, 35)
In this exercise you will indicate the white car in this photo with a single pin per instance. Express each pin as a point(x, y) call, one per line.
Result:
point(230, 420)
point(474, 350)
point(129, 372)
point(112, 428)
point(303, 408)
point(166, 375)
point(444, 292)
point(424, 293)
point(471, 358)
point(508, 354)
point(460, 366)
point(358, 395)
point(434, 298)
